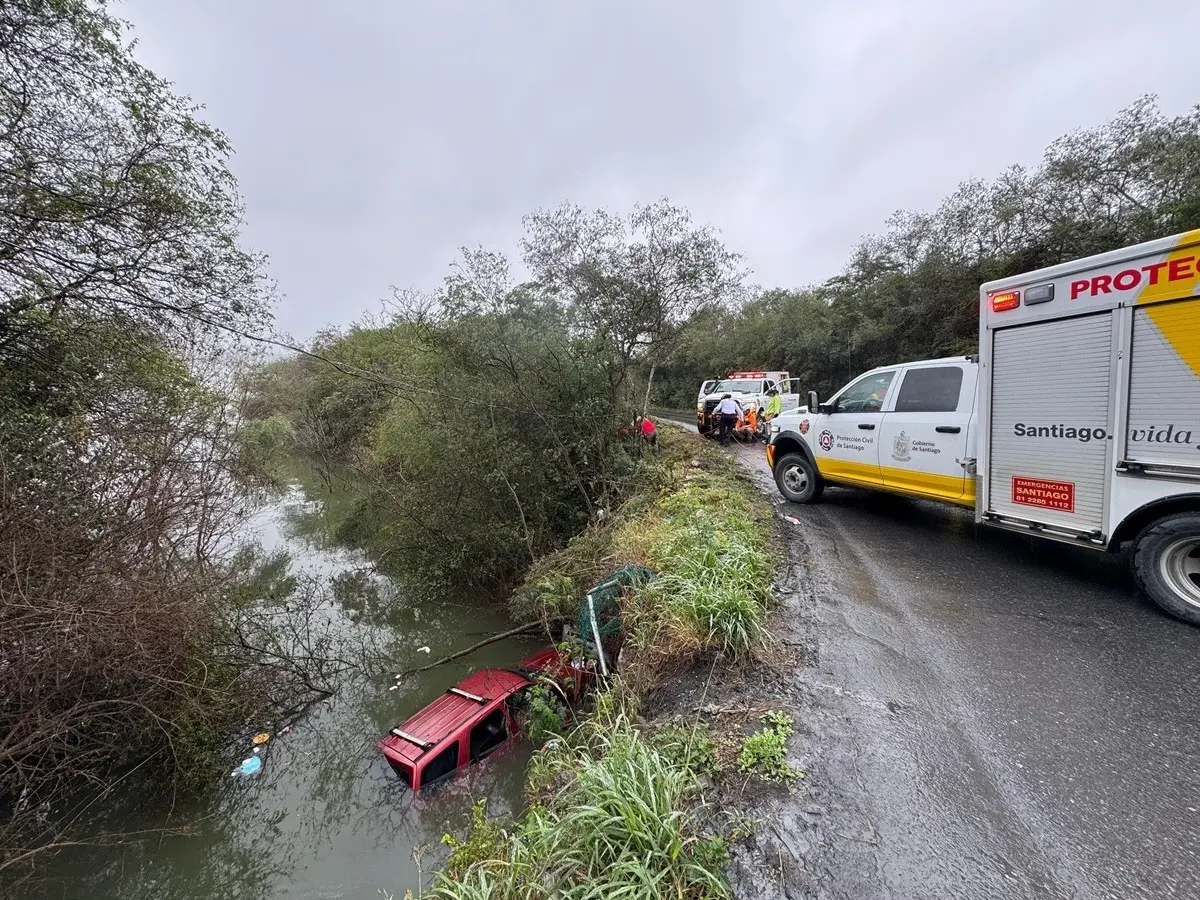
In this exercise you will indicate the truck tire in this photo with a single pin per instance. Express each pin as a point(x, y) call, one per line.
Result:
point(797, 479)
point(1166, 564)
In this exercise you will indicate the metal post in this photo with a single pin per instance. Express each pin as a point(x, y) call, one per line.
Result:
point(596, 635)
point(649, 384)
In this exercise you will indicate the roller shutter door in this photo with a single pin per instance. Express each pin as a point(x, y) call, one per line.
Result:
point(1051, 418)
point(1164, 389)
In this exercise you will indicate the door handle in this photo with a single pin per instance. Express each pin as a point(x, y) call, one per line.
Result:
point(866, 426)
point(948, 429)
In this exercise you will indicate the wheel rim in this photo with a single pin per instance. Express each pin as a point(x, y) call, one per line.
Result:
point(1180, 569)
point(795, 479)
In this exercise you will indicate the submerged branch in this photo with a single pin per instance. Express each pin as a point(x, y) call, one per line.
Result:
point(523, 629)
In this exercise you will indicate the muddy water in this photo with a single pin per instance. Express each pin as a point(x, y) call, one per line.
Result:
point(326, 818)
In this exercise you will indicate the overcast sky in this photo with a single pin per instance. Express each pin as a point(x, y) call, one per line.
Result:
point(374, 137)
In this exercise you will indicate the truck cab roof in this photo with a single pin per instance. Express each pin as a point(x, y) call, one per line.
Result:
point(941, 360)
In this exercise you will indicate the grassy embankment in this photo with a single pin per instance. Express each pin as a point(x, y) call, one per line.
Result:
point(620, 807)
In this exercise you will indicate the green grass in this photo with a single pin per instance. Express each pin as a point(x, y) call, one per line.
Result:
point(622, 823)
point(708, 543)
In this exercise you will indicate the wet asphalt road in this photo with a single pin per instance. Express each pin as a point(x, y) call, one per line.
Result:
point(992, 716)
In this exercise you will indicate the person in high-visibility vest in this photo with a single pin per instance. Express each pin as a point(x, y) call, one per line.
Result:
point(774, 408)
point(774, 403)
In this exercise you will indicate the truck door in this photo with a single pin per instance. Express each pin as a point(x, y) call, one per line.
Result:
point(789, 393)
point(1051, 422)
point(924, 436)
point(846, 439)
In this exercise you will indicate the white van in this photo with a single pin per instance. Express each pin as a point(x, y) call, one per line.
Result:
point(1079, 422)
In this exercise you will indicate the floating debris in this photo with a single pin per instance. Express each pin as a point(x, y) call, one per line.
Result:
point(251, 765)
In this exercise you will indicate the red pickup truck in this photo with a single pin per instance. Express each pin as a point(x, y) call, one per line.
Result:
point(472, 719)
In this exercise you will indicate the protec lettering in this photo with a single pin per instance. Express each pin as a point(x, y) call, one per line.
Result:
point(1128, 279)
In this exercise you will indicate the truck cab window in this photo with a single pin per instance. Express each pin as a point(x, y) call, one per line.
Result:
point(441, 765)
point(930, 390)
point(865, 395)
point(488, 735)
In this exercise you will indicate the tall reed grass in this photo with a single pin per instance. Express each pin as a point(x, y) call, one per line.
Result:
point(714, 572)
point(622, 823)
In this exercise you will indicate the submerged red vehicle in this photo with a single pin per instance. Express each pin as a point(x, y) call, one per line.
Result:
point(472, 719)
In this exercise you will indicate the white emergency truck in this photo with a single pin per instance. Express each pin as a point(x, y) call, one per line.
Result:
point(1079, 421)
point(749, 389)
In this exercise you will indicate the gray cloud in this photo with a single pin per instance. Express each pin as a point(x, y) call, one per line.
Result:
point(373, 138)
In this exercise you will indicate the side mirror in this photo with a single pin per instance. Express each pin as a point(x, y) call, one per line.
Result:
point(813, 403)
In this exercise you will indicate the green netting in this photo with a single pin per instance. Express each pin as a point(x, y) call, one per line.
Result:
point(606, 598)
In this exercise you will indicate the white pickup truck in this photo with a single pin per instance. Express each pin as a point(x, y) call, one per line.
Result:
point(1079, 421)
point(749, 389)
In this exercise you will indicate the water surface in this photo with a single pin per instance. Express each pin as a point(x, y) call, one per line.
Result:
point(326, 818)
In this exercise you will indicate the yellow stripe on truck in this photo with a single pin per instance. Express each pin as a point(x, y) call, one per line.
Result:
point(1176, 322)
point(901, 481)
point(846, 470)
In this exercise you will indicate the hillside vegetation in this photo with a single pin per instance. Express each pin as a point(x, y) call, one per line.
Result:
point(912, 291)
point(486, 417)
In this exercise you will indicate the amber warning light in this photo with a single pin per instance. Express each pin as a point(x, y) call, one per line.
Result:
point(1007, 300)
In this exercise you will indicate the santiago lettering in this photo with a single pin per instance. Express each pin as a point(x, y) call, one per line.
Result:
point(1169, 434)
point(1068, 432)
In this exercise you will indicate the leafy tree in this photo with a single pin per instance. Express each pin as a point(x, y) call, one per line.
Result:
point(121, 280)
point(115, 200)
point(630, 282)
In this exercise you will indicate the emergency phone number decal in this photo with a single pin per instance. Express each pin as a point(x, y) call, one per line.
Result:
point(1046, 494)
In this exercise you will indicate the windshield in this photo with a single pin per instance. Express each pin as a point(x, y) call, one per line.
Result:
point(738, 386)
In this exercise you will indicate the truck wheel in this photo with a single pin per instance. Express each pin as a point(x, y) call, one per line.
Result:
point(798, 479)
point(1166, 565)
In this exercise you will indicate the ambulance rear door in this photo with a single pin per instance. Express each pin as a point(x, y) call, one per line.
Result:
point(1049, 441)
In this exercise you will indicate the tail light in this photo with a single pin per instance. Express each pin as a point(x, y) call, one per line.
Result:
point(1005, 301)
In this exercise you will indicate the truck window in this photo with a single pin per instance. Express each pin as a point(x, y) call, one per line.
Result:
point(441, 765)
point(488, 735)
point(865, 395)
point(930, 390)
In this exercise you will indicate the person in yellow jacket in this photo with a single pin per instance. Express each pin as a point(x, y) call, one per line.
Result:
point(774, 403)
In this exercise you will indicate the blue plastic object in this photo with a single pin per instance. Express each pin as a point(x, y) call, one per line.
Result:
point(252, 765)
